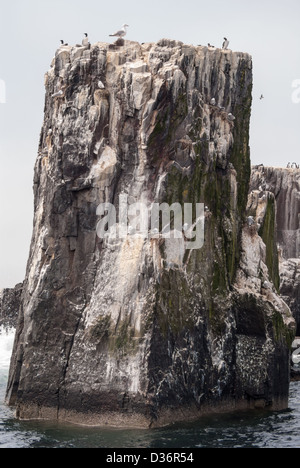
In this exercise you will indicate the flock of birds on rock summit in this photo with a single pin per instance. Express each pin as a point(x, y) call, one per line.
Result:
point(120, 34)
point(123, 32)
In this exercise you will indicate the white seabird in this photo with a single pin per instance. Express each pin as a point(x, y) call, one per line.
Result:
point(63, 43)
point(101, 85)
point(231, 117)
point(250, 220)
point(121, 33)
point(225, 43)
point(85, 40)
point(58, 94)
point(213, 102)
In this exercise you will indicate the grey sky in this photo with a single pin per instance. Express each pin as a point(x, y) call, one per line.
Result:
point(30, 31)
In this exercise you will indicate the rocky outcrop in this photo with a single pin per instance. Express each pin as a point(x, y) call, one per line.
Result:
point(142, 330)
point(10, 300)
point(284, 186)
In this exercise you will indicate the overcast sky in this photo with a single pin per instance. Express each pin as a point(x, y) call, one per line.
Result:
point(30, 31)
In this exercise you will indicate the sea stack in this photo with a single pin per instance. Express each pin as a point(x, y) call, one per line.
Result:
point(142, 331)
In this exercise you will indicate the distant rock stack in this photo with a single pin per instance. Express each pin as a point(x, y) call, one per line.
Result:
point(10, 300)
point(284, 185)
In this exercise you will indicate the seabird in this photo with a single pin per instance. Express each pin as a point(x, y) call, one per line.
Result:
point(85, 40)
point(213, 102)
point(101, 85)
point(63, 43)
point(225, 43)
point(289, 165)
point(58, 94)
point(262, 97)
point(121, 33)
point(209, 45)
point(231, 117)
point(185, 227)
point(250, 220)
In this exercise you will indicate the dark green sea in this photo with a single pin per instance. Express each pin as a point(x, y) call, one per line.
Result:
point(246, 429)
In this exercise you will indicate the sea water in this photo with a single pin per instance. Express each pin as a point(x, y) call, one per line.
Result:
point(244, 429)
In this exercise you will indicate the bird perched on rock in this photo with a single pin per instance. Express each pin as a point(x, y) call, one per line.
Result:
point(231, 117)
point(121, 33)
point(63, 43)
point(101, 85)
point(250, 220)
point(209, 45)
point(289, 165)
point(213, 102)
point(85, 40)
point(59, 93)
point(225, 43)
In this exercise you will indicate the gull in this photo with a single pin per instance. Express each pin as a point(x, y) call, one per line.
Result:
point(231, 117)
point(250, 220)
point(225, 43)
point(213, 102)
point(101, 85)
point(120, 33)
point(58, 94)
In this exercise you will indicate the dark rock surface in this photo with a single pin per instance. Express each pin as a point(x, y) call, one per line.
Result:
point(10, 300)
point(144, 332)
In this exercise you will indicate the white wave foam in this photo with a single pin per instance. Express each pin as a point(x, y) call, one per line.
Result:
point(6, 346)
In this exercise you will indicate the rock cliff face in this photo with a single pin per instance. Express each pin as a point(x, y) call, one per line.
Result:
point(284, 186)
point(9, 306)
point(143, 331)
